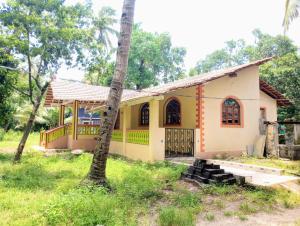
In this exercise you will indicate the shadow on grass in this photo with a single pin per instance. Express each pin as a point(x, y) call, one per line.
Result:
point(32, 176)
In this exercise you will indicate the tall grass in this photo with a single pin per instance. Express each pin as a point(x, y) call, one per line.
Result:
point(12, 138)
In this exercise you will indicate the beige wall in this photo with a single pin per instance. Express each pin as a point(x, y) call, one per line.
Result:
point(244, 86)
point(270, 105)
point(187, 99)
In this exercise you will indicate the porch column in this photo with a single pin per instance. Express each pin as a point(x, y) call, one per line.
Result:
point(75, 119)
point(156, 134)
point(61, 119)
point(126, 124)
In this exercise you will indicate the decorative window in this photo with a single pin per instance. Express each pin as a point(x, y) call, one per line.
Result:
point(173, 112)
point(231, 112)
point(117, 123)
point(144, 115)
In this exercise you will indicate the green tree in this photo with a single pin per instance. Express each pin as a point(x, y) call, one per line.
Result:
point(43, 34)
point(284, 74)
point(153, 59)
point(234, 53)
point(8, 78)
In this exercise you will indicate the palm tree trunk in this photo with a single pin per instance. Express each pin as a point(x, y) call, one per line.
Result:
point(29, 124)
point(97, 172)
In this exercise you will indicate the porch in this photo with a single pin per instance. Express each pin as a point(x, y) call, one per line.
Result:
point(147, 129)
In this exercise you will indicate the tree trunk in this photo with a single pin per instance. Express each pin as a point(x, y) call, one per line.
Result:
point(97, 172)
point(29, 124)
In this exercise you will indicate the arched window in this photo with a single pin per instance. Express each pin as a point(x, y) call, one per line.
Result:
point(231, 112)
point(144, 115)
point(173, 112)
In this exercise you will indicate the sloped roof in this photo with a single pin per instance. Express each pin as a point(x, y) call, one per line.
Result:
point(61, 91)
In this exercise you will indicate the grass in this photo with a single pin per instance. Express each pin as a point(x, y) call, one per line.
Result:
point(11, 140)
point(46, 191)
point(287, 165)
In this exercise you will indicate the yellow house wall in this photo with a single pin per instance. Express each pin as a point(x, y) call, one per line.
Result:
point(270, 105)
point(138, 152)
point(187, 99)
point(244, 86)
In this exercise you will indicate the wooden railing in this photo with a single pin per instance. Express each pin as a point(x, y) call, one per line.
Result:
point(138, 137)
point(52, 135)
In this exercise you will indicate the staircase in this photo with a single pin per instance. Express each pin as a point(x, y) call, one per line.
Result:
point(203, 172)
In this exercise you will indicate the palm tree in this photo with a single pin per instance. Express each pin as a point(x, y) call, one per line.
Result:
point(104, 24)
point(97, 172)
point(291, 12)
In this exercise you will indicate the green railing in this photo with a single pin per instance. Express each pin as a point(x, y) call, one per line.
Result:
point(138, 137)
point(54, 134)
point(88, 130)
point(117, 135)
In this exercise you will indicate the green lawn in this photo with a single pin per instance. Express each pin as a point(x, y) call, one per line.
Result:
point(46, 191)
point(12, 138)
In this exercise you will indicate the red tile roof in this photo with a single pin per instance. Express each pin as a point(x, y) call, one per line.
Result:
point(62, 91)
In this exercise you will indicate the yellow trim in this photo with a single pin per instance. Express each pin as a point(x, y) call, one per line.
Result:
point(61, 115)
point(75, 119)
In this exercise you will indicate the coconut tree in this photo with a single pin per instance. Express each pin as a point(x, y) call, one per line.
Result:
point(97, 172)
point(291, 12)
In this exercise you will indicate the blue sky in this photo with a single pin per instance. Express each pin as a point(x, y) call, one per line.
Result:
point(202, 26)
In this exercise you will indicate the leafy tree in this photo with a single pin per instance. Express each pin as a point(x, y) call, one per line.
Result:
point(152, 59)
point(97, 172)
point(234, 53)
point(8, 78)
point(291, 12)
point(284, 74)
point(44, 34)
point(98, 64)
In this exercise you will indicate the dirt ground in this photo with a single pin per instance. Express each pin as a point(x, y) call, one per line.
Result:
point(278, 217)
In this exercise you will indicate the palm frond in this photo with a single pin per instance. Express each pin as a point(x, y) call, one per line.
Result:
point(291, 12)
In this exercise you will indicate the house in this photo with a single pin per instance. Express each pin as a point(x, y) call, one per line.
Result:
point(213, 113)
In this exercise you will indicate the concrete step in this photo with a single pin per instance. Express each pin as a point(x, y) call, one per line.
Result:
point(261, 169)
point(214, 171)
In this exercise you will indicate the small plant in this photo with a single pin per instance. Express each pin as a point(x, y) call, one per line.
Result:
point(228, 213)
point(247, 209)
point(171, 216)
point(210, 217)
point(243, 218)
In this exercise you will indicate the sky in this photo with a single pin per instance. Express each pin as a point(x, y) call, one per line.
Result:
point(202, 26)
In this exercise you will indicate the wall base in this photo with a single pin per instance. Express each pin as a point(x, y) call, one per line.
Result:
point(218, 154)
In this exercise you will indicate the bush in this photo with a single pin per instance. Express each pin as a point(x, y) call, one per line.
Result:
point(2, 132)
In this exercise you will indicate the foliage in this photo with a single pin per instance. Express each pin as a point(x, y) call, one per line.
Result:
point(8, 78)
point(99, 65)
point(232, 54)
point(291, 12)
point(152, 59)
point(175, 217)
